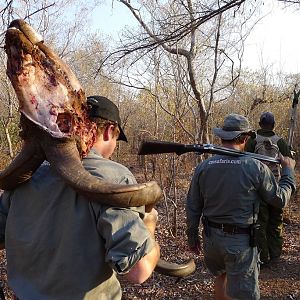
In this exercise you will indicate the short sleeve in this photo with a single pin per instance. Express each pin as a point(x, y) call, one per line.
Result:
point(126, 237)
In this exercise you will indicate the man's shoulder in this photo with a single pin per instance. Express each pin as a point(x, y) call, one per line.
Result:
point(276, 139)
point(93, 159)
point(264, 136)
point(227, 159)
point(107, 169)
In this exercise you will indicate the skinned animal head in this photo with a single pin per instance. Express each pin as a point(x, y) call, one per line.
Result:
point(49, 93)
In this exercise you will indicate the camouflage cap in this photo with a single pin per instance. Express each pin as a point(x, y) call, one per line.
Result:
point(234, 125)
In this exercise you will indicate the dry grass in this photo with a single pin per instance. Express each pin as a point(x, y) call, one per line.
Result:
point(280, 282)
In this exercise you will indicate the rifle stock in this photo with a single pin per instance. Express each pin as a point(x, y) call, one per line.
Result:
point(159, 147)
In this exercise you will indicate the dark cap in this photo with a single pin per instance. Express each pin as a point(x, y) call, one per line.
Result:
point(101, 107)
point(234, 125)
point(267, 118)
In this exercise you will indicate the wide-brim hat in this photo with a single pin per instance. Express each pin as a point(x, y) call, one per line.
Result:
point(102, 107)
point(234, 125)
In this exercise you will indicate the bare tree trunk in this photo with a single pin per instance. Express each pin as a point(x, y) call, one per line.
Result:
point(8, 139)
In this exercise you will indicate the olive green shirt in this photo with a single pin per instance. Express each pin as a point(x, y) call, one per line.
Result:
point(61, 246)
point(282, 145)
point(227, 189)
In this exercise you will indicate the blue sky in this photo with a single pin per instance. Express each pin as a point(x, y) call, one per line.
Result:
point(111, 19)
point(274, 42)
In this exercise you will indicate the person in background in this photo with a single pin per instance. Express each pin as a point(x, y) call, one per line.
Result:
point(61, 246)
point(270, 218)
point(225, 193)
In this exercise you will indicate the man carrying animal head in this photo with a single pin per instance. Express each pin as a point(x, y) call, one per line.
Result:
point(61, 246)
point(225, 194)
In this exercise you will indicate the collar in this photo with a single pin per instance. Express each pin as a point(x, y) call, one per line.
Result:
point(95, 152)
point(265, 132)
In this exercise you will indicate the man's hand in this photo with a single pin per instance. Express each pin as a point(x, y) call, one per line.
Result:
point(193, 241)
point(150, 220)
point(287, 161)
point(196, 249)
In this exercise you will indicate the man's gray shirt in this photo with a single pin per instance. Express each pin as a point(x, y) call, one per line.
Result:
point(61, 246)
point(227, 190)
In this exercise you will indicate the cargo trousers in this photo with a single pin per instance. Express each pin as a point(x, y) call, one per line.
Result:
point(270, 240)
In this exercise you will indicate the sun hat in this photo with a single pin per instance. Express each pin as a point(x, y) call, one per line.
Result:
point(102, 107)
point(234, 125)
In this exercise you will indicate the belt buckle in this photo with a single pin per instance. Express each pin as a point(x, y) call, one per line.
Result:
point(228, 229)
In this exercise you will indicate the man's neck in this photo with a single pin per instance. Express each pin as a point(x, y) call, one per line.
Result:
point(98, 147)
point(234, 146)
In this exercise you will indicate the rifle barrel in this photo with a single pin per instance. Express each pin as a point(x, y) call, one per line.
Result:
point(159, 147)
point(233, 152)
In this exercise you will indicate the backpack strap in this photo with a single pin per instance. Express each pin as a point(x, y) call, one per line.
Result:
point(274, 138)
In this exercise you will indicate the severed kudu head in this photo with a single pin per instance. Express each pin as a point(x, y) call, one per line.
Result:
point(54, 122)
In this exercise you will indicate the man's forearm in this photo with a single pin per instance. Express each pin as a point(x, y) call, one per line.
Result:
point(144, 267)
point(287, 185)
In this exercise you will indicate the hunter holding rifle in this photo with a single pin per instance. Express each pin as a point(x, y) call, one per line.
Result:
point(270, 218)
point(225, 194)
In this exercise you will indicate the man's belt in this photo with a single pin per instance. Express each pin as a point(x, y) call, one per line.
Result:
point(229, 228)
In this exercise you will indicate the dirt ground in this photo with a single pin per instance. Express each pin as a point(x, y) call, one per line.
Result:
point(280, 281)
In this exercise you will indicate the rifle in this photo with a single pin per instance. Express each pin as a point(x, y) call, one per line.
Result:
point(293, 119)
point(158, 147)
